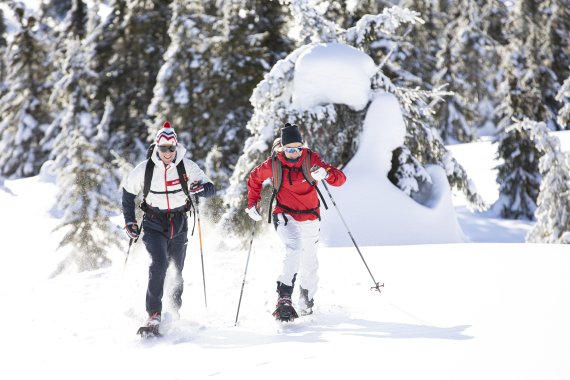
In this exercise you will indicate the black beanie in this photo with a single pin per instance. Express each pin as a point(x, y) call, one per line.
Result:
point(290, 134)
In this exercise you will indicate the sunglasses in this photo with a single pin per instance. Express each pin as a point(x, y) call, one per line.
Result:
point(293, 150)
point(167, 148)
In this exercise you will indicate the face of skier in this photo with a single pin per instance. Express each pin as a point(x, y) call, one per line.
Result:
point(167, 153)
point(293, 150)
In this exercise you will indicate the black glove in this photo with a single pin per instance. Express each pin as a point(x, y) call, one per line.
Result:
point(132, 230)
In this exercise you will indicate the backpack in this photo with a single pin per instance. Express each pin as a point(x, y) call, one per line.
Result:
point(182, 176)
point(277, 180)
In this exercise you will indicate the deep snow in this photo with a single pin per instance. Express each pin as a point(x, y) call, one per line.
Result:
point(448, 311)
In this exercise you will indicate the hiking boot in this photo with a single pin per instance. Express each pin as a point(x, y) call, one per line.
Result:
point(305, 304)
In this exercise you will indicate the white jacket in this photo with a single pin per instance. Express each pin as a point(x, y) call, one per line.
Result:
point(165, 190)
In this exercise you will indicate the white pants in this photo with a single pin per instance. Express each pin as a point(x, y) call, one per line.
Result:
point(301, 242)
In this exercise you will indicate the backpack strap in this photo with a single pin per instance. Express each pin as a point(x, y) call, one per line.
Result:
point(276, 182)
point(183, 177)
point(149, 169)
point(306, 169)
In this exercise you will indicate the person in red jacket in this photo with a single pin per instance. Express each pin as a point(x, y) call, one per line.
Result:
point(296, 217)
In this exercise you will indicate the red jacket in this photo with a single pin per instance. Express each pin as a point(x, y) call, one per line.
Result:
point(297, 194)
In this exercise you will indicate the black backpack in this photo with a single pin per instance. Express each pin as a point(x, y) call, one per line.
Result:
point(182, 176)
point(277, 180)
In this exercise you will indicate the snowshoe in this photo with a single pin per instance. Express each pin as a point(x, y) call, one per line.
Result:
point(285, 311)
point(147, 332)
point(151, 328)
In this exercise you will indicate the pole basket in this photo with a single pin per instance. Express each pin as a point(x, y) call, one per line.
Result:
point(378, 287)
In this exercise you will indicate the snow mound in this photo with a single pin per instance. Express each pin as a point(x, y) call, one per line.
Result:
point(332, 73)
point(369, 198)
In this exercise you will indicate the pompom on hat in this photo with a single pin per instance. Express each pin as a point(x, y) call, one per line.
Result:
point(166, 135)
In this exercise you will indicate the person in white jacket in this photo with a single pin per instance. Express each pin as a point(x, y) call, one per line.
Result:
point(165, 220)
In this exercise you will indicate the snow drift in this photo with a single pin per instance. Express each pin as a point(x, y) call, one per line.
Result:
point(336, 73)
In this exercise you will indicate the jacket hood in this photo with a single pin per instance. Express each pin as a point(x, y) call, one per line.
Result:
point(180, 153)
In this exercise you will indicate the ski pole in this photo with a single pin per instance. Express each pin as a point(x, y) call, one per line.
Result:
point(245, 273)
point(197, 209)
point(377, 285)
point(129, 250)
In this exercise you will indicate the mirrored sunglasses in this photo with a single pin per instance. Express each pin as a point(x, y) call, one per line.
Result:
point(293, 150)
point(167, 148)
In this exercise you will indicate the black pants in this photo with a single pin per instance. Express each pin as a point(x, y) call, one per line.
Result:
point(165, 247)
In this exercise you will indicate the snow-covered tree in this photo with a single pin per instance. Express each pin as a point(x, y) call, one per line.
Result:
point(23, 106)
point(66, 28)
point(524, 97)
point(541, 55)
point(181, 82)
point(346, 13)
point(312, 26)
point(492, 23)
point(518, 176)
point(415, 58)
point(87, 190)
point(86, 196)
point(252, 39)
point(127, 50)
point(464, 63)
point(553, 211)
point(558, 28)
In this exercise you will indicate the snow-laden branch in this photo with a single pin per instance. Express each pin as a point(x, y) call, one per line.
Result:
point(386, 23)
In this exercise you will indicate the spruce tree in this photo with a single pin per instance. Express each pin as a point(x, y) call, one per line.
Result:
point(493, 25)
point(418, 50)
point(526, 93)
point(23, 106)
point(86, 180)
point(553, 211)
point(559, 29)
point(85, 198)
point(70, 27)
point(252, 40)
point(127, 50)
point(463, 63)
point(518, 175)
point(182, 80)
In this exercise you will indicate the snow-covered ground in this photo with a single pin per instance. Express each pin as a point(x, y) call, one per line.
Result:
point(492, 309)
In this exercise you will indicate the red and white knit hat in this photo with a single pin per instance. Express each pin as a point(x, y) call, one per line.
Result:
point(166, 135)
